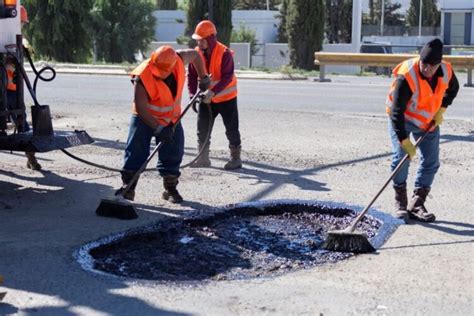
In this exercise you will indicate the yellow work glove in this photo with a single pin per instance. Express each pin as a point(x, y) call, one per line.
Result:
point(438, 118)
point(408, 147)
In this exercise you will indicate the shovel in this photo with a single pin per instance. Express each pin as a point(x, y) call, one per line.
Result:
point(119, 207)
point(348, 240)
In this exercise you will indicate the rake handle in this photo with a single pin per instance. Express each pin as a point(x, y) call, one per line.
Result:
point(351, 228)
point(157, 147)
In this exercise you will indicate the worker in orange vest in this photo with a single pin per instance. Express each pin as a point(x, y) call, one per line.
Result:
point(24, 20)
point(20, 120)
point(222, 96)
point(158, 88)
point(423, 89)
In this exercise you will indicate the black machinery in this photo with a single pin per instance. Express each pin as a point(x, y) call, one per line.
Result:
point(42, 137)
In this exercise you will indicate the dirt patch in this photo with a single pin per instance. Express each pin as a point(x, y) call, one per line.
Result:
point(243, 242)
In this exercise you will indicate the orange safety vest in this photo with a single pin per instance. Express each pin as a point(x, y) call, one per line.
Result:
point(230, 91)
point(161, 104)
point(11, 85)
point(425, 102)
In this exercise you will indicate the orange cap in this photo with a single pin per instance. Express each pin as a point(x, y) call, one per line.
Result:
point(162, 61)
point(204, 29)
point(23, 15)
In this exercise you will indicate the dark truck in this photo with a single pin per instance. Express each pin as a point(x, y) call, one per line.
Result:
point(377, 48)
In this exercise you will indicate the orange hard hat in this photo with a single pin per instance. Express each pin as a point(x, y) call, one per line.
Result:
point(204, 29)
point(23, 15)
point(162, 61)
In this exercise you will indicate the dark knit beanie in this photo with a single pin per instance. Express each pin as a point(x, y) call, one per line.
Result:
point(432, 52)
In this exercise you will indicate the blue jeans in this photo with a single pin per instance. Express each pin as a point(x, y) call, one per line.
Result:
point(428, 150)
point(138, 148)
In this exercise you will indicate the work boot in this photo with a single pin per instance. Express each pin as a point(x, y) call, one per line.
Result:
point(401, 202)
point(416, 208)
point(127, 176)
point(170, 193)
point(234, 162)
point(203, 161)
point(32, 163)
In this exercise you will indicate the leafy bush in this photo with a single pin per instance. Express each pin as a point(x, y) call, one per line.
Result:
point(121, 28)
point(245, 35)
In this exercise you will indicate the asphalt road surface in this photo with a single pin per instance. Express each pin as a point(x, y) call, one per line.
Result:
point(72, 93)
point(302, 141)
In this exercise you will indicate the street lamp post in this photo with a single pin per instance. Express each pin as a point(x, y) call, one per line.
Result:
point(382, 16)
point(419, 18)
point(211, 13)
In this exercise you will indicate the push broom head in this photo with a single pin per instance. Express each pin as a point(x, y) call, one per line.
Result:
point(116, 207)
point(346, 241)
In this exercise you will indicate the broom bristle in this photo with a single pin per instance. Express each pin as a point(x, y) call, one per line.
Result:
point(347, 242)
point(116, 209)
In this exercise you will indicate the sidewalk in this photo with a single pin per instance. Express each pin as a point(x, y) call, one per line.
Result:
point(124, 70)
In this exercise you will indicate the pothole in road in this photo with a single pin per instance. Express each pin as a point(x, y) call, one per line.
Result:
point(246, 241)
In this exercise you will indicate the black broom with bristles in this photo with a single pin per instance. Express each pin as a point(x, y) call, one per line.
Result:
point(118, 206)
point(348, 240)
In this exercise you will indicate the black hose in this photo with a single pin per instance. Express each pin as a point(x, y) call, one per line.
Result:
point(38, 73)
point(53, 76)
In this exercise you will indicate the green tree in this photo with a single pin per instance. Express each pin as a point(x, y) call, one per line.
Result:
point(430, 15)
point(371, 18)
point(255, 4)
point(121, 28)
point(166, 5)
point(391, 17)
point(339, 21)
point(245, 35)
point(305, 26)
point(222, 17)
point(58, 29)
point(221, 10)
point(282, 12)
point(183, 5)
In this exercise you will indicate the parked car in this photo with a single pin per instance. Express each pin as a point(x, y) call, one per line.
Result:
point(377, 48)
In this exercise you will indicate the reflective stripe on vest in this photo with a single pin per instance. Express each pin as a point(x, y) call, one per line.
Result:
point(424, 103)
point(161, 104)
point(215, 65)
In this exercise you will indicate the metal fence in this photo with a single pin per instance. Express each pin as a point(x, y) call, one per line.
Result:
point(390, 30)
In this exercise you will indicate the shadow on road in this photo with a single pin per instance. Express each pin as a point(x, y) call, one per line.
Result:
point(428, 245)
point(276, 176)
point(42, 220)
point(457, 138)
point(7, 309)
point(460, 229)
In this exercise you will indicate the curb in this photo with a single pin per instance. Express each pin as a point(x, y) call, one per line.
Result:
point(124, 71)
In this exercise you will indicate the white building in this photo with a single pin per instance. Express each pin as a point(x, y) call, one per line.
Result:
point(457, 22)
point(172, 23)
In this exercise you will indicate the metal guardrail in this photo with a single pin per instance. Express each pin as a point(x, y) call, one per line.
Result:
point(384, 60)
point(415, 45)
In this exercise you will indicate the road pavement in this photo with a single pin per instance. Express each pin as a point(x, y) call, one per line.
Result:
point(301, 140)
